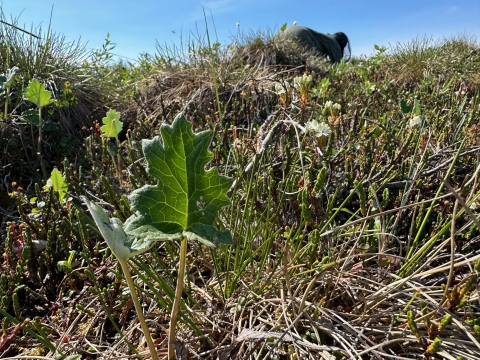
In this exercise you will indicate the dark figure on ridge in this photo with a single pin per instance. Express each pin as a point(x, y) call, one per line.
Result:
point(334, 46)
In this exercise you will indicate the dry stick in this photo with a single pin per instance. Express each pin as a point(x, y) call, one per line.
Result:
point(386, 212)
point(447, 267)
point(413, 179)
point(381, 345)
point(347, 326)
point(294, 322)
point(19, 29)
point(265, 142)
point(286, 252)
point(382, 233)
point(470, 336)
point(467, 209)
point(312, 283)
point(454, 319)
point(462, 202)
point(474, 179)
point(380, 294)
point(452, 249)
point(284, 312)
point(446, 162)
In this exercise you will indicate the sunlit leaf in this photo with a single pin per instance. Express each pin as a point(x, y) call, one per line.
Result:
point(37, 94)
point(186, 196)
point(112, 124)
point(417, 109)
point(57, 181)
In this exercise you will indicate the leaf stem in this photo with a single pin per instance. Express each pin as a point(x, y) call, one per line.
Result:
point(138, 308)
point(39, 144)
point(178, 299)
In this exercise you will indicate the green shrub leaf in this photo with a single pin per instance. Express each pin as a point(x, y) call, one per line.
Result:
point(37, 94)
point(57, 181)
point(405, 108)
point(186, 197)
point(31, 116)
point(112, 124)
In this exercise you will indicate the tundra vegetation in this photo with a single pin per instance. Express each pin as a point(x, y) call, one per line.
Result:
point(334, 209)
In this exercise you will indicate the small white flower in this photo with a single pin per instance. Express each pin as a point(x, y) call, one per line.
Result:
point(417, 120)
point(280, 89)
point(328, 104)
point(304, 80)
point(294, 23)
point(238, 24)
point(336, 106)
point(319, 128)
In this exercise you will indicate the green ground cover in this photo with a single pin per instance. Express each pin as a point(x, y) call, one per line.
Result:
point(353, 205)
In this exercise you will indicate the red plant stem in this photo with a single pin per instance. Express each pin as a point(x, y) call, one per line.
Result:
point(21, 235)
point(16, 241)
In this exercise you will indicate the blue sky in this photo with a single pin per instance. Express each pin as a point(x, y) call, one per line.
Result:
point(136, 26)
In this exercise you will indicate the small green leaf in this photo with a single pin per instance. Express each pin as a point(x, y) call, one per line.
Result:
point(283, 27)
point(416, 108)
point(31, 116)
point(73, 357)
point(51, 127)
point(185, 195)
point(57, 181)
point(37, 94)
point(446, 86)
point(112, 124)
point(405, 108)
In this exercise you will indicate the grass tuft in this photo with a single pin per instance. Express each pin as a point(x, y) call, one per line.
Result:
point(354, 205)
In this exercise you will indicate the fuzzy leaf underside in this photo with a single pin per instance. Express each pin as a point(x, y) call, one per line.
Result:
point(185, 193)
point(208, 235)
point(122, 245)
point(148, 232)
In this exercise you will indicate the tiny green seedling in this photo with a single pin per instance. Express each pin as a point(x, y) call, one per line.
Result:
point(181, 206)
point(112, 126)
point(59, 184)
point(37, 94)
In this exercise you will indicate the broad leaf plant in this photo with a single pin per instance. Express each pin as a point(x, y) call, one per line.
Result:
point(181, 206)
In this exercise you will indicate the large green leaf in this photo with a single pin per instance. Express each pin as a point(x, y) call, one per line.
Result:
point(185, 195)
point(37, 94)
